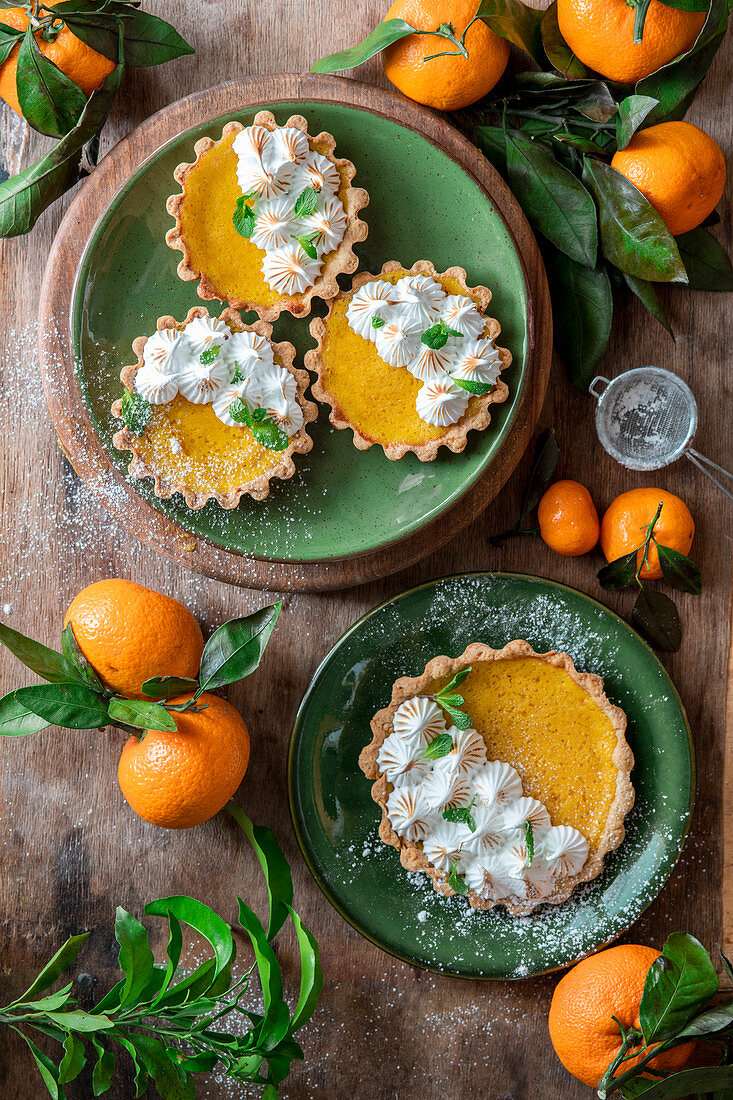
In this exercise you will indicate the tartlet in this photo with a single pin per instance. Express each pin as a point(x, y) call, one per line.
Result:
point(267, 168)
point(213, 409)
point(546, 746)
point(407, 359)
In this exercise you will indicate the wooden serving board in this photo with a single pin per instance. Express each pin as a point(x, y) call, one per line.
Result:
point(70, 416)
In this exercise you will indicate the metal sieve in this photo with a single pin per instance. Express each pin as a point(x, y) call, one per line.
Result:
point(646, 418)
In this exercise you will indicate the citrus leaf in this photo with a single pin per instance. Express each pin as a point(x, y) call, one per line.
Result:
point(71, 705)
point(50, 102)
point(544, 464)
point(491, 141)
point(235, 649)
point(679, 571)
point(204, 921)
point(647, 295)
point(45, 662)
point(515, 21)
point(633, 235)
point(80, 1021)
point(631, 113)
point(688, 5)
point(274, 867)
point(78, 661)
point(46, 1068)
point(90, 24)
point(679, 983)
point(619, 573)
point(657, 620)
point(708, 1023)
point(9, 39)
point(154, 1056)
point(689, 1082)
point(276, 1021)
point(17, 720)
point(383, 35)
point(55, 966)
point(582, 310)
point(311, 975)
point(135, 957)
point(148, 40)
point(706, 262)
point(140, 714)
point(594, 100)
point(25, 196)
point(104, 1069)
point(73, 1061)
point(555, 201)
point(559, 54)
point(167, 687)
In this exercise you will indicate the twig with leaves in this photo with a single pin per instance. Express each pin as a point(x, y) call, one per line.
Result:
point(167, 1021)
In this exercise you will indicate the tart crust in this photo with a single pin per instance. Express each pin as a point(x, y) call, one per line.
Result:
point(341, 261)
point(477, 416)
point(411, 854)
point(259, 487)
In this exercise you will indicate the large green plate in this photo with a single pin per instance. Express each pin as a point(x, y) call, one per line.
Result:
point(342, 502)
point(336, 821)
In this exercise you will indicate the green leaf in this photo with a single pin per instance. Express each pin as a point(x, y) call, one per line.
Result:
point(274, 867)
point(306, 243)
point(631, 113)
point(620, 573)
point(383, 35)
point(439, 747)
point(209, 355)
point(490, 140)
point(136, 412)
point(460, 678)
point(690, 1081)
point(460, 719)
point(709, 1023)
point(544, 464)
point(141, 1074)
point(78, 1020)
point(16, 720)
point(135, 957)
point(204, 921)
point(706, 262)
point(657, 620)
point(456, 882)
point(77, 661)
point(51, 103)
point(25, 196)
point(267, 434)
point(276, 1019)
point(88, 22)
point(73, 706)
point(679, 571)
point(140, 714)
point(633, 235)
point(168, 687)
point(478, 388)
point(155, 1057)
point(377, 322)
point(9, 39)
point(73, 1061)
point(582, 310)
point(688, 5)
point(149, 40)
point(45, 662)
point(46, 1067)
point(529, 838)
point(53, 1001)
point(517, 22)
point(306, 203)
point(55, 966)
point(311, 975)
point(437, 335)
point(243, 218)
point(460, 815)
point(647, 295)
point(555, 201)
point(103, 1070)
point(559, 54)
point(594, 100)
point(235, 649)
point(679, 983)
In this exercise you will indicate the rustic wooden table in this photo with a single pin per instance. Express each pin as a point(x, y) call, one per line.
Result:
point(72, 850)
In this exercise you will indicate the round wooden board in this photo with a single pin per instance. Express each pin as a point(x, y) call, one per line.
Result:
point(69, 413)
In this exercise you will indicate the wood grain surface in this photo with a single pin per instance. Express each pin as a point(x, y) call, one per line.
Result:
point(72, 851)
point(83, 447)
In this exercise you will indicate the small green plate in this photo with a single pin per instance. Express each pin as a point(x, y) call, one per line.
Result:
point(341, 502)
point(336, 820)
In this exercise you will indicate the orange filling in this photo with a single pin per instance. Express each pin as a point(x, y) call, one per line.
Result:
point(536, 718)
point(377, 399)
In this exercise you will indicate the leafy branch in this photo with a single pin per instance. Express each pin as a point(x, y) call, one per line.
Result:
point(169, 1023)
point(544, 464)
point(74, 696)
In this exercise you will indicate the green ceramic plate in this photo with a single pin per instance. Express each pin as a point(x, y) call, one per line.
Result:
point(341, 502)
point(336, 821)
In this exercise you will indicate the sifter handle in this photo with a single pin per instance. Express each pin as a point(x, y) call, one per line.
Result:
point(594, 385)
point(703, 463)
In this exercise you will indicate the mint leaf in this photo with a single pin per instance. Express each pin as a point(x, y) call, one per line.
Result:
point(239, 412)
point(456, 882)
point(237, 376)
point(377, 322)
point(461, 720)
point(479, 388)
point(243, 218)
point(306, 243)
point(267, 434)
point(208, 355)
point(457, 680)
point(437, 336)
point(529, 835)
point(136, 412)
point(438, 747)
point(460, 815)
point(306, 203)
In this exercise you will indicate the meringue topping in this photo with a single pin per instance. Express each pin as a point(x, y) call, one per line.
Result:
point(441, 402)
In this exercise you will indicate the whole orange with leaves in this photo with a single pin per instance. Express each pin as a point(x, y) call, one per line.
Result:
point(452, 81)
point(129, 634)
point(568, 519)
point(79, 62)
point(625, 523)
point(181, 779)
point(582, 1029)
point(601, 35)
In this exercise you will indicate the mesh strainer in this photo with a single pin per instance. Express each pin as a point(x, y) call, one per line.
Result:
point(646, 418)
